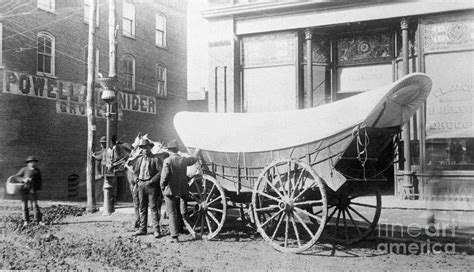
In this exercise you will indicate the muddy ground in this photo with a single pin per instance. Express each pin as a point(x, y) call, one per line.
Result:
point(74, 240)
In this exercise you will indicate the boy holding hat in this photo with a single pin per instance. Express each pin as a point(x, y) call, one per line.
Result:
point(30, 175)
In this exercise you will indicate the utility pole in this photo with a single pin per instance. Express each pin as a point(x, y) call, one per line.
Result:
point(90, 101)
point(113, 56)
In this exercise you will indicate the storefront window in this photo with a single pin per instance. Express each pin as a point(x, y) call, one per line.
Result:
point(448, 44)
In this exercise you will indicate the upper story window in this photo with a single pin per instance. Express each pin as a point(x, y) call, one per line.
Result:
point(128, 69)
point(48, 5)
point(128, 18)
point(96, 62)
point(45, 45)
point(161, 79)
point(87, 10)
point(160, 29)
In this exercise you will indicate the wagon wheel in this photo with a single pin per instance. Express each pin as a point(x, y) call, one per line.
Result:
point(287, 195)
point(353, 214)
point(207, 206)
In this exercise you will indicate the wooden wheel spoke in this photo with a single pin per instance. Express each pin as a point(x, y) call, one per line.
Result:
point(277, 226)
point(364, 205)
point(197, 220)
point(271, 208)
point(332, 214)
point(304, 191)
point(194, 197)
point(296, 231)
point(273, 187)
point(286, 230)
point(337, 221)
point(300, 178)
point(213, 218)
point(358, 195)
point(322, 210)
point(214, 200)
point(309, 202)
point(304, 225)
point(281, 181)
point(202, 224)
point(345, 224)
point(269, 196)
point(210, 192)
point(308, 214)
point(194, 213)
point(356, 212)
point(214, 209)
point(271, 218)
point(353, 222)
point(199, 190)
point(208, 224)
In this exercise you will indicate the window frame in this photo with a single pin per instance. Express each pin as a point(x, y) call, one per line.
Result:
point(40, 4)
point(52, 55)
point(133, 20)
point(163, 31)
point(163, 80)
point(125, 73)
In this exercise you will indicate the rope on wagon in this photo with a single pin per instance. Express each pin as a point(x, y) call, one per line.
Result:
point(362, 144)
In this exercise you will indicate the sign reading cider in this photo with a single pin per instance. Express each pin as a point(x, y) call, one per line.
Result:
point(71, 97)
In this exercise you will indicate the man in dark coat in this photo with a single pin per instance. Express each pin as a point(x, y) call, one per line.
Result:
point(147, 168)
point(174, 183)
point(30, 175)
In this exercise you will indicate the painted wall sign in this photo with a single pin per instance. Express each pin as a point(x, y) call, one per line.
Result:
point(449, 112)
point(71, 97)
point(448, 33)
point(269, 49)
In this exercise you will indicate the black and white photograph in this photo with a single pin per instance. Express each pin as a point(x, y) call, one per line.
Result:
point(237, 135)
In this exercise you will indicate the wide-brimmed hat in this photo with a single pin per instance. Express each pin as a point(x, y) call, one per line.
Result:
point(172, 144)
point(103, 139)
point(145, 142)
point(31, 158)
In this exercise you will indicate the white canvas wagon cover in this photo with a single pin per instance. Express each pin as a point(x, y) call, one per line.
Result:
point(387, 106)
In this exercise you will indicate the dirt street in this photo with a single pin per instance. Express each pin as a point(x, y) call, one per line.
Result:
point(73, 240)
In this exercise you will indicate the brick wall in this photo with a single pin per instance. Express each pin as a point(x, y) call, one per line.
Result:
point(31, 125)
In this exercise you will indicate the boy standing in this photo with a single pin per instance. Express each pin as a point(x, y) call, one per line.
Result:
point(30, 175)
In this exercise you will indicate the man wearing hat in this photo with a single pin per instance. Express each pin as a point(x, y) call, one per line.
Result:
point(174, 183)
point(147, 167)
point(30, 175)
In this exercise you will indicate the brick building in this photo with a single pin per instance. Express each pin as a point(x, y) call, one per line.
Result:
point(43, 61)
point(260, 50)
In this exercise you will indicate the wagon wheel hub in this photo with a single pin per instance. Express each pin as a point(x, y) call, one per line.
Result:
point(286, 205)
point(203, 206)
point(343, 202)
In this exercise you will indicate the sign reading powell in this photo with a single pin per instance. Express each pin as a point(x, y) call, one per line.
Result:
point(71, 97)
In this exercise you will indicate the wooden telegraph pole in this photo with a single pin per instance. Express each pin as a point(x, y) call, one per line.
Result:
point(113, 56)
point(91, 122)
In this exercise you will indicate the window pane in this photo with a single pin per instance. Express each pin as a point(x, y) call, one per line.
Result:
point(128, 10)
point(130, 66)
point(41, 44)
point(40, 63)
point(160, 22)
point(159, 38)
point(47, 48)
point(47, 64)
point(127, 26)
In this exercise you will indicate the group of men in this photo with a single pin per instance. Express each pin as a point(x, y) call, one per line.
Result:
point(155, 177)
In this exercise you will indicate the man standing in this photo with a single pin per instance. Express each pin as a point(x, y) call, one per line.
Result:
point(147, 168)
point(174, 183)
point(30, 175)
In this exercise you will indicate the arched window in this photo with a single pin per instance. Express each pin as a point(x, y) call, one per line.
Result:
point(161, 79)
point(128, 69)
point(45, 49)
point(160, 29)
